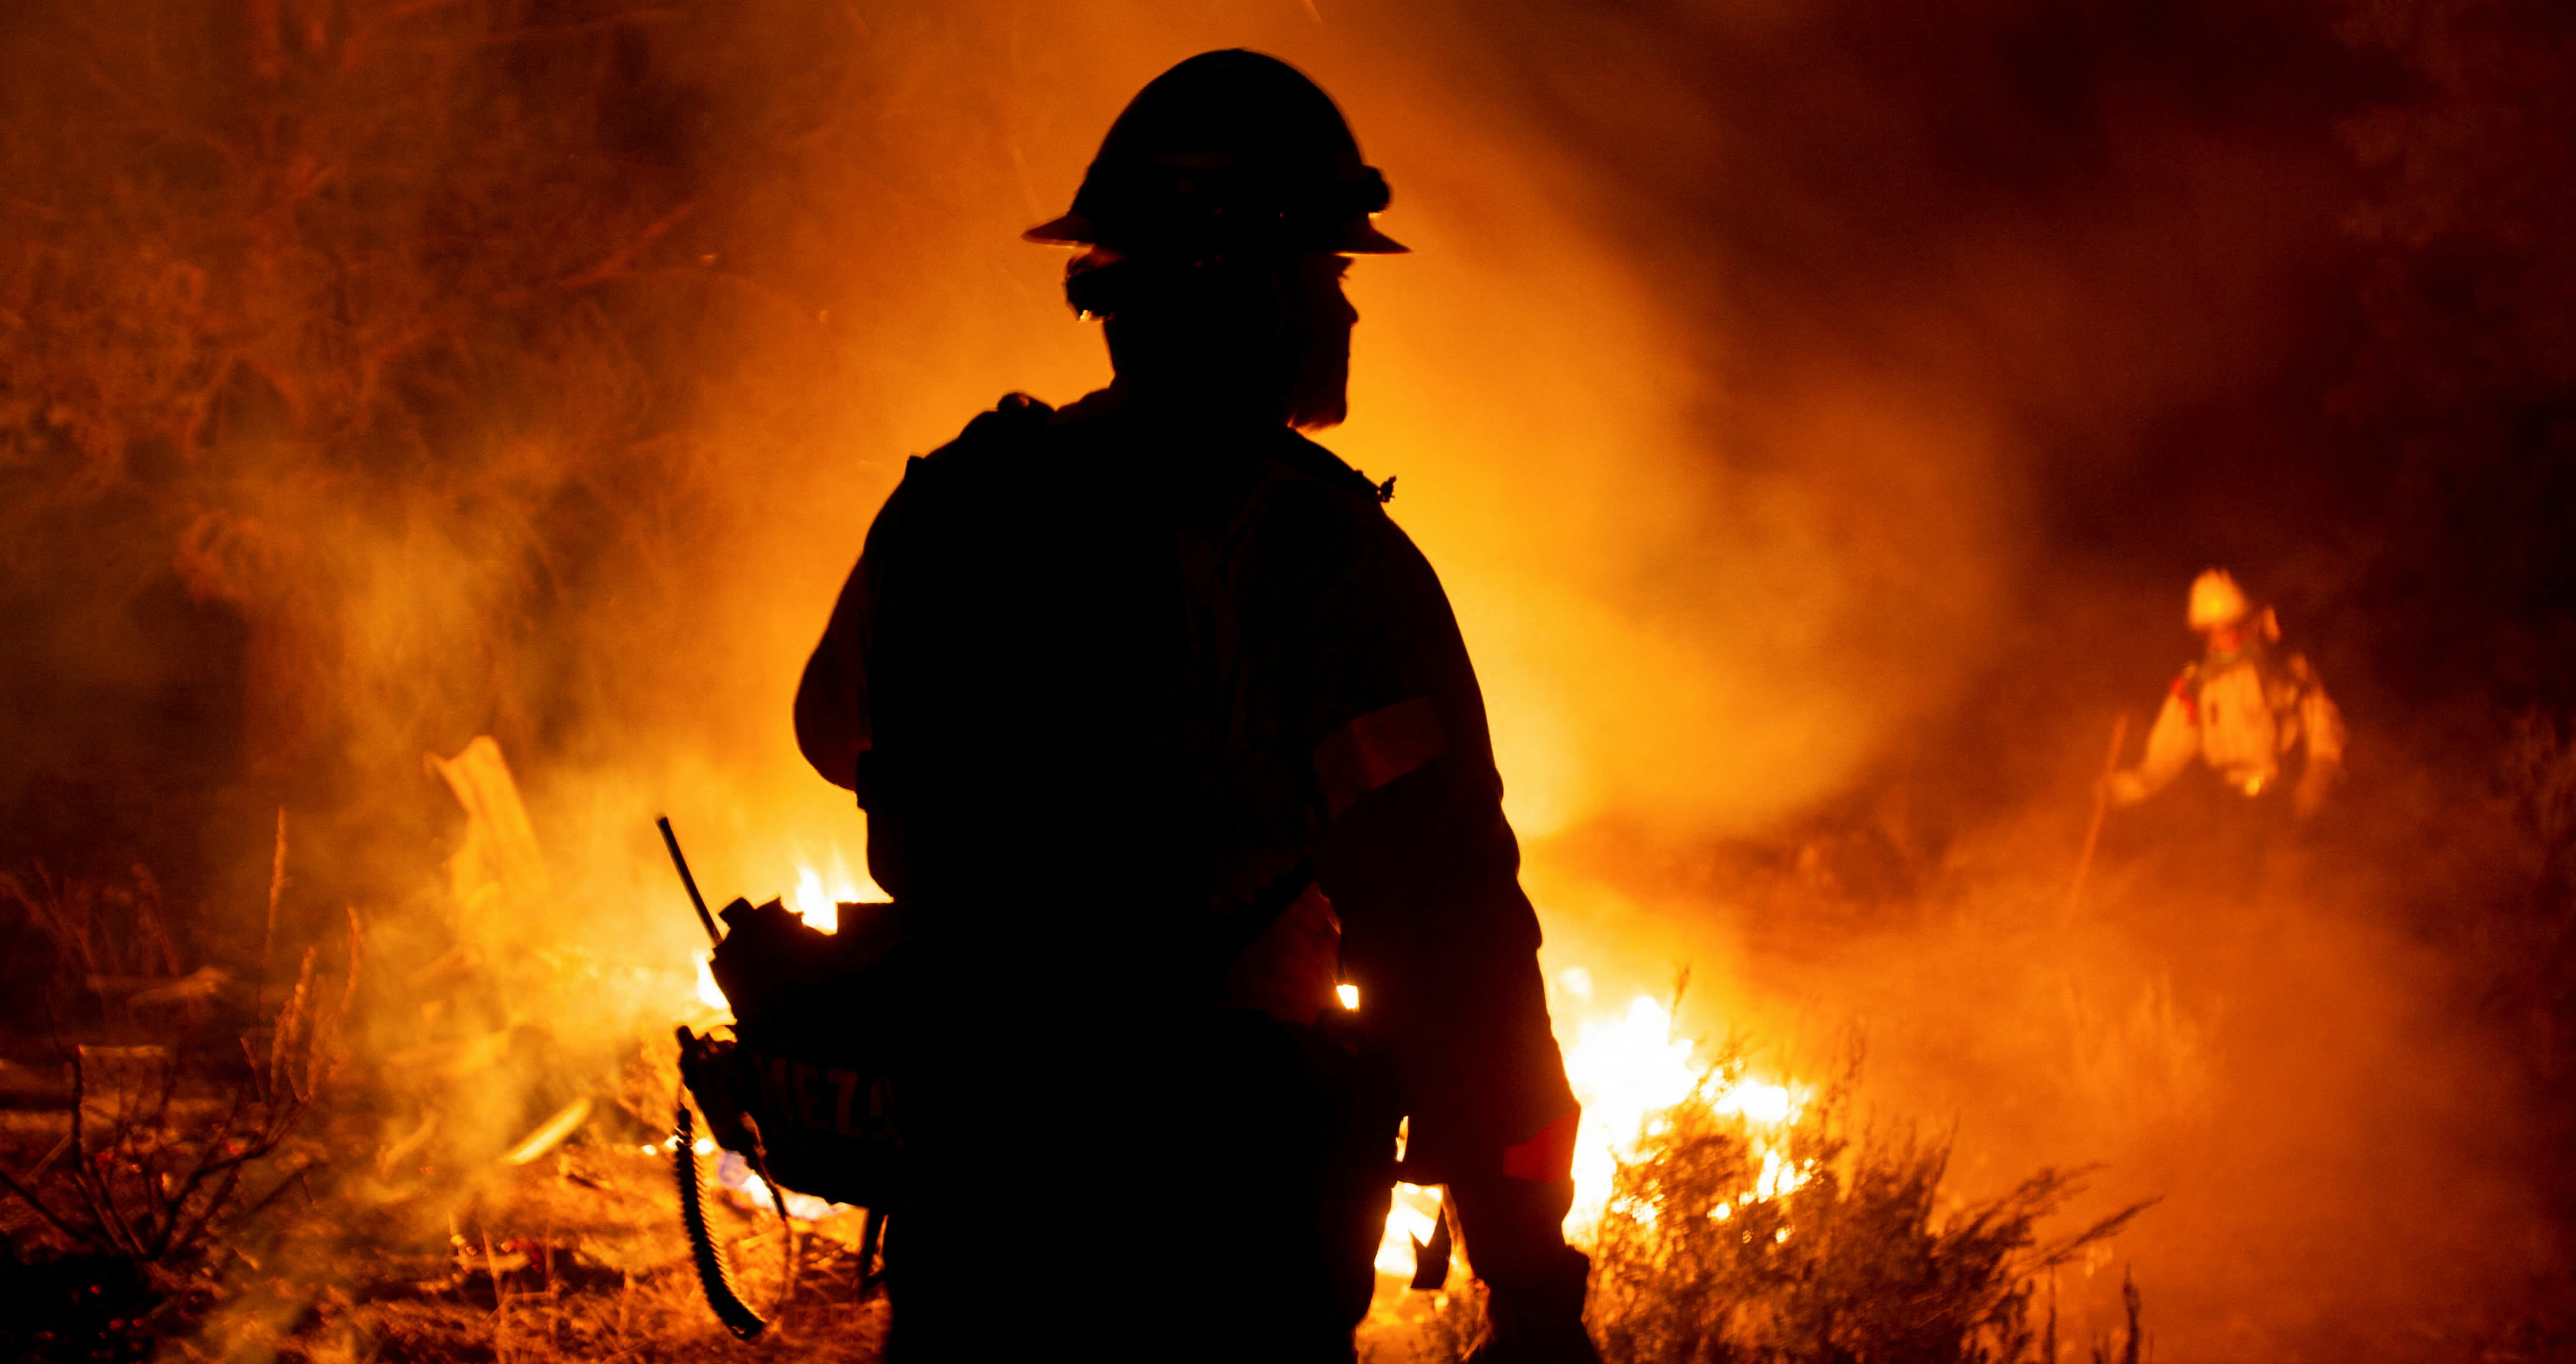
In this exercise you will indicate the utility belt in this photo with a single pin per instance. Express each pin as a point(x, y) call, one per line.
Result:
point(831, 1084)
point(822, 1082)
point(836, 1079)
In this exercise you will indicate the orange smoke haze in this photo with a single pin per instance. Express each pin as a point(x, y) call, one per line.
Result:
point(1813, 409)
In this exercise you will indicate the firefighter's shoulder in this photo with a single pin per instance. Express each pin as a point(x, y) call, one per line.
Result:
point(2186, 681)
point(1318, 512)
point(1304, 459)
point(1011, 422)
point(992, 445)
point(1336, 513)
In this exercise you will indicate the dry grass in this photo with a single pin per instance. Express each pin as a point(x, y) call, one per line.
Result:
point(142, 1176)
point(1858, 1262)
point(99, 930)
point(138, 1175)
point(198, 1201)
point(578, 1255)
point(580, 1258)
point(118, 1204)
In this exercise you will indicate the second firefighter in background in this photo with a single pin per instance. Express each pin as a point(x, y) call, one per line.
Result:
point(2253, 714)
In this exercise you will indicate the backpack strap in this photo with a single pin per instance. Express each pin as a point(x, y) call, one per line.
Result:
point(1015, 418)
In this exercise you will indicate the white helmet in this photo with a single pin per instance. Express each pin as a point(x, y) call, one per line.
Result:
point(2216, 600)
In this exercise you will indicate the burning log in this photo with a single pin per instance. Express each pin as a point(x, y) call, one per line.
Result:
point(550, 1133)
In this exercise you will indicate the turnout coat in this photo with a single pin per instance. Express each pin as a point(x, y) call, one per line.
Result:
point(1142, 709)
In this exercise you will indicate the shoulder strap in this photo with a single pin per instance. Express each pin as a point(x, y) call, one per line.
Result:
point(1013, 420)
point(1314, 461)
point(915, 518)
point(1016, 415)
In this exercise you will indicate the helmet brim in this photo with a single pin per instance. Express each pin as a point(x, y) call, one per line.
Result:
point(1070, 230)
point(1358, 237)
point(1361, 238)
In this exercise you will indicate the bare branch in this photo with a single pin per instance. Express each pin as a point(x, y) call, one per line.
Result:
point(617, 262)
point(79, 1235)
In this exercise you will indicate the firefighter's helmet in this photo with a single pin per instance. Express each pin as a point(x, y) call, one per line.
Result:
point(1227, 152)
point(2217, 601)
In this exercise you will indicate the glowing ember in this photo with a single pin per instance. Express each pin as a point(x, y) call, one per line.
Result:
point(1350, 995)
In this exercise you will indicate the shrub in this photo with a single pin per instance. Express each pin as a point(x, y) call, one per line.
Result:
point(1727, 1240)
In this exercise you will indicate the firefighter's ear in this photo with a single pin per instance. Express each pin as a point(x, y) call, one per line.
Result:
point(2271, 626)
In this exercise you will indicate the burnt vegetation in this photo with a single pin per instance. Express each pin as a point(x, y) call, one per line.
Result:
point(179, 1119)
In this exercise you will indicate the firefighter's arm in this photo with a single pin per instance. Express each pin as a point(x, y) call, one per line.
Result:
point(1444, 949)
point(1443, 946)
point(2171, 745)
point(2321, 721)
point(832, 727)
point(831, 701)
point(1424, 870)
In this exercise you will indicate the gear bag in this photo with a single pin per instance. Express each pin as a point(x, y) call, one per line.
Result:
point(806, 1087)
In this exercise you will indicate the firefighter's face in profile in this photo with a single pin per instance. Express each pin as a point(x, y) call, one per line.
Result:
point(1320, 317)
point(2226, 639)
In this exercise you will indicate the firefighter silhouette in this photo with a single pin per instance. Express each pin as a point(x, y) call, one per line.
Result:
point(1164, 730)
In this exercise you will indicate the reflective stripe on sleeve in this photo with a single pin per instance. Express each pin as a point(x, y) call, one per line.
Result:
point(1547, 1157)
point(1376, 749)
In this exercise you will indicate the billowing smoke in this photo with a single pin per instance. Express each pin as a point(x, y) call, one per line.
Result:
point(1814, 410)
